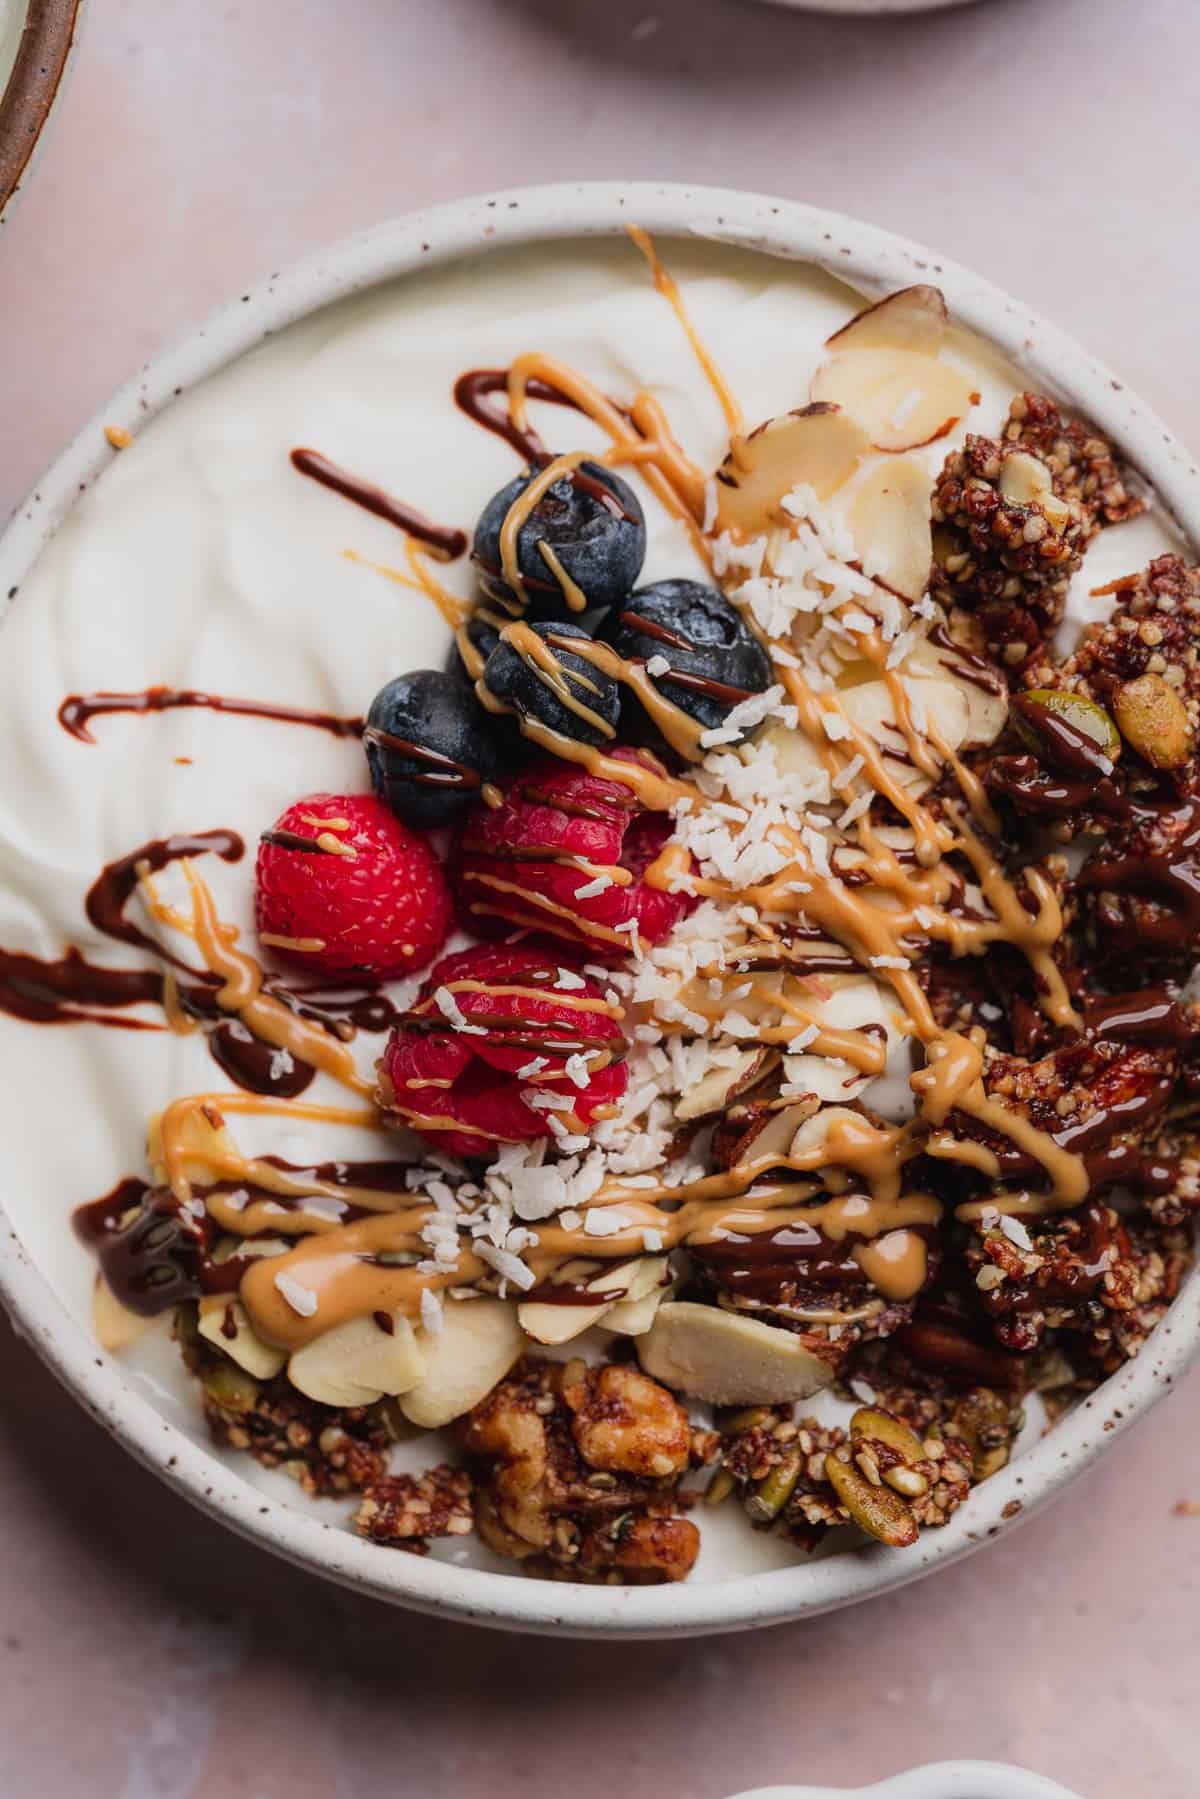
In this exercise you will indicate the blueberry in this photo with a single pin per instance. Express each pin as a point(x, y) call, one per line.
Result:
point(520, 683)
point(706, 641)
point(430, 747)
point(592, 524)
point(482, 633)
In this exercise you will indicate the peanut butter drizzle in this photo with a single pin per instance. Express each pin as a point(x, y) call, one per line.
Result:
point(521, 510)
point(678, 728)
point(666, 286)
point(572, 593)
point(643, 437)
point(178, 1020)
point(338, 1263)
point(538, 656)
point(241, 994)
point(420, 579)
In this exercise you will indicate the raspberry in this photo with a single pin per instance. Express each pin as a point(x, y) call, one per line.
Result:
point(339, 871)
point(565, 855)
point(494, 1030)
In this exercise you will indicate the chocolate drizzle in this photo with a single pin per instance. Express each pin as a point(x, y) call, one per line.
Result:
point(111, 891)
point(446, 541)
point(1169, 875)
point(721, 691)
point(73, 990)
point(433, 769)
point(78, 708)
point(472, 393)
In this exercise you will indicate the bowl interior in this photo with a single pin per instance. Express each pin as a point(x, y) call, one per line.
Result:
point(45, 1276)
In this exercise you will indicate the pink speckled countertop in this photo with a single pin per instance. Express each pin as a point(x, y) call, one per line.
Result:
point(144, 1654)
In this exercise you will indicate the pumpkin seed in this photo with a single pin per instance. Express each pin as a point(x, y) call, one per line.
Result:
point(983, 1420)
point(750, 1417)
point(775, 1489)
point(719, 1487)
point(879, 1511)
point(1072, 709)
point(872, 1425)
point(1154, 720)
point(231, 1386)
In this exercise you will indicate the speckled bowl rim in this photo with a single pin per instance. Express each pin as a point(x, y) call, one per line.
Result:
point(33, 86)
point(874, 260)
point(875, 9)
point(936, 1780)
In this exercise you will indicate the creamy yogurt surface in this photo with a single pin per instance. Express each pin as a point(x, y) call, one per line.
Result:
point(203, 560)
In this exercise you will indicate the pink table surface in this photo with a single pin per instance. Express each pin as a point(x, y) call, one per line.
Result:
point(144, 1653)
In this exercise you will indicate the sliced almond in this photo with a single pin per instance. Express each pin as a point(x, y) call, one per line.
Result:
point(224, 1324)
point(757, 1133)
point(717, 1089)
point(913, 318)
point(725, 1359)
point(114, 1325)
point(871, 708)
point(900, 398)
point(854, 1002)
point(818, 447)
point(478, 1343)
point(633, 1317)
point(987, 705)
point(889, 522)
point(798, 759)
point(356, 1363)
point(554, 1324)
point(1026, 481)
point(199, 1142)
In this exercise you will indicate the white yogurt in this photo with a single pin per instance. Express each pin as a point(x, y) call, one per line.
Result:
point(202, 559)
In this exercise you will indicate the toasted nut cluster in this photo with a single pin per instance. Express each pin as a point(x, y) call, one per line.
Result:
point(407, 1511)
point(1006, 543)
point(1135, 894)
point(1080, 460)
point(805, 1478)
point(1143, 664)
point(1083, 1277)
point(578, 1469)
point(327, 1450)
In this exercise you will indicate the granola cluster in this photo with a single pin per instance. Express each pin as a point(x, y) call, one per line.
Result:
point(1007, 542)
point(889, 1474)
point(1082, 463)
point(406, 1511)
point(330, 1451)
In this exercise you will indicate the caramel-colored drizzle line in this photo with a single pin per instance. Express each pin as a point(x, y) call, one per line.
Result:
point(242, 993)
point(192, 1146)
point(420, 579)
point(339, 1263)
point(644, 438)
point(864, 929)
point(666, 285)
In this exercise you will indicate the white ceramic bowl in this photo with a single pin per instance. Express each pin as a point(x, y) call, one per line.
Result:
point(863, 8)
point(946, 1780)
point(874, 261)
